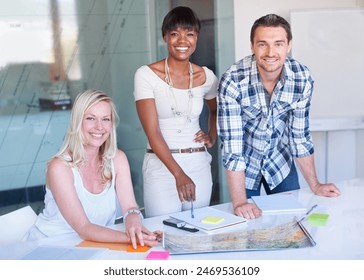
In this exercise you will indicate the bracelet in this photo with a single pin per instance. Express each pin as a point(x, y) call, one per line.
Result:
point(133, 211)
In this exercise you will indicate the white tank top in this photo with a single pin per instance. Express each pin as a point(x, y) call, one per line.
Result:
point(99, 208)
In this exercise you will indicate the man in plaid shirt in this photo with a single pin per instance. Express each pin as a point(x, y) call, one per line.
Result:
point(263, 119)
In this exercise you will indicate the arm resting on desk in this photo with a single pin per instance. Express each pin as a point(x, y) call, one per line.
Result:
point(307, 168)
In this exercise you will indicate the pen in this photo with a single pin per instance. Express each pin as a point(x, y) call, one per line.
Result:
point(192, 212)
point(307, 213)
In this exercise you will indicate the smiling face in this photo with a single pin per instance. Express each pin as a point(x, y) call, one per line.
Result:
point(97, 124)
point(181, 43)
point(270, 47)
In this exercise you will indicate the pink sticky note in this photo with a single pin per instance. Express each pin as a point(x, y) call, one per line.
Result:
point(158, 255)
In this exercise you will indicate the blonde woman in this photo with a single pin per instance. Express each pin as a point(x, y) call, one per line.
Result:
point(87, 175)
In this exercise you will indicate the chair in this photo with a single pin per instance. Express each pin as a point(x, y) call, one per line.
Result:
point(14, 225)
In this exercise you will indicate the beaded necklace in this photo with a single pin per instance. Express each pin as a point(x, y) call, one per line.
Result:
point(173, 102)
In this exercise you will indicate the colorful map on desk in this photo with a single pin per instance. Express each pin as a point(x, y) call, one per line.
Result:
point(286, 236)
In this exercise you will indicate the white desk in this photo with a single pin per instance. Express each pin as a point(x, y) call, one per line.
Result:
point(341, 238)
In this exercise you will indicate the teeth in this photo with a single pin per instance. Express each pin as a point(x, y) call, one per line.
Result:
point(96, 135)
point(182, 48)
point(270, 60)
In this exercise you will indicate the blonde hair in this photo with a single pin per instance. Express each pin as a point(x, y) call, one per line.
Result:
point(72, 150)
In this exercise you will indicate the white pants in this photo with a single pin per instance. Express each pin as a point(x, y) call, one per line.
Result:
point(160, 192)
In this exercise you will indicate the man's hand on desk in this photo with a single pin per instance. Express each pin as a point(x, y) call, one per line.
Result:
point(247, 210)
point(328, 190)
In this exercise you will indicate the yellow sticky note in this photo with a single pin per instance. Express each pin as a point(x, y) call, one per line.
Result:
point(212, 220)
point(317, 219)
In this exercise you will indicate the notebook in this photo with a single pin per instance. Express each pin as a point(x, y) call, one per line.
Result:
point(278, 203)
point(208, 218)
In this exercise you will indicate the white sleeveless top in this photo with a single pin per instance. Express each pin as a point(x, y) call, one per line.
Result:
point(176, 131)
point(99, 208)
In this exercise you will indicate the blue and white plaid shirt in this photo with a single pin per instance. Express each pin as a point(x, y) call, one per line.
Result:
point(262, 138)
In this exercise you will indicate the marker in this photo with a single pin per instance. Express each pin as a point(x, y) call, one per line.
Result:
point(307, 213)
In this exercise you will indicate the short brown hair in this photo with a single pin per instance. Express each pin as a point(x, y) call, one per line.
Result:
point(271, 20)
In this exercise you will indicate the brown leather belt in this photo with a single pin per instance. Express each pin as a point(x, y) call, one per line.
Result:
point(183, 151)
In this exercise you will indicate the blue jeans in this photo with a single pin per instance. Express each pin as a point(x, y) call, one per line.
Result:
point(289, 183)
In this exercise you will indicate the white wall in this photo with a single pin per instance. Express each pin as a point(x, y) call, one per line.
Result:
point(247, 11)
point(331, 43)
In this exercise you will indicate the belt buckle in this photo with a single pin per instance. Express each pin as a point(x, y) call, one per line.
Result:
point(190, 150)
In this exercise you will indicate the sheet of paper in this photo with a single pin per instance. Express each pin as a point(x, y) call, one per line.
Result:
point(277, 203)
point(63, 253)
point(107, 245)
point(201, 214)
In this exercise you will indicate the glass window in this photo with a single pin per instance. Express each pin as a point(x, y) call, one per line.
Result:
point(54, 49)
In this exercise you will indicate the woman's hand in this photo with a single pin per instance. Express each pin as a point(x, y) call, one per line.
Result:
point(134, 229)
point(153, 238)
point(137, 233)
point(185, 188)
point(202, 137)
